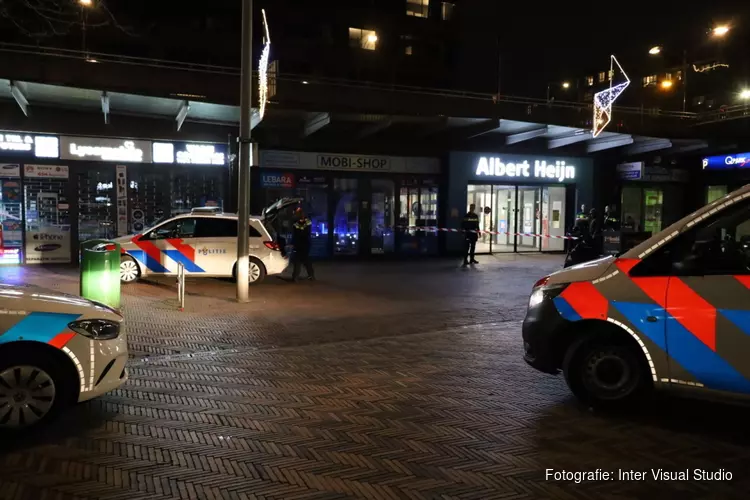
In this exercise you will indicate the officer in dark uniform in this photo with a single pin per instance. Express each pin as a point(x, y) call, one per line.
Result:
point(470, 226)
point(611, 222)
point(301, 230)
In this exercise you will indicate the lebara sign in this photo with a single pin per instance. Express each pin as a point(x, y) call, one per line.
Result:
point(739, 160)
point(540, 169)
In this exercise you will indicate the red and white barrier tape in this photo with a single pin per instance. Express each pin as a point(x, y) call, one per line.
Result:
point(449, 230)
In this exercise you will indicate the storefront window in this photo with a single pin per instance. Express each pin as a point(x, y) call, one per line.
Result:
point(653, 199)
point(96, 199)
point(48, 238)
point(11, 215)
point(632, 203)
point(346, 217)
point(196, 188)
point(713, 193)
point(147, 198)
point(382, 217)
point(553, 217)
point(418, 209)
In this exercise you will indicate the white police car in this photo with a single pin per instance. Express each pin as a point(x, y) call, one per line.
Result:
point(55, 350)
point(205, 242)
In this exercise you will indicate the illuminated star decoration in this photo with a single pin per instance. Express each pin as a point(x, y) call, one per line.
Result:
point(603, 100)
point(263, 69)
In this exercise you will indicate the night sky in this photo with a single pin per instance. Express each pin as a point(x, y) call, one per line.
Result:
point(539, 40)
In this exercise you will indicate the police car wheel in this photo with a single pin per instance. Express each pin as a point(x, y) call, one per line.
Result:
point(129, 271)
point(32, 389)
point(605, 373)
point(256, 271)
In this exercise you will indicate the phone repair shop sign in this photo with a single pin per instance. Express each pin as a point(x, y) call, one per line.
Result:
point(348, 162)
point(277, 180)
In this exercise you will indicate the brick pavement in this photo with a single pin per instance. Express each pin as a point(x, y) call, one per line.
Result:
point(379, 381)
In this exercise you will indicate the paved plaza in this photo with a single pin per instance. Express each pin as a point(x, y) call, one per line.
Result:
point(381, 380)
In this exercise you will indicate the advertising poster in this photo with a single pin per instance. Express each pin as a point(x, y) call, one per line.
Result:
point(121, 190)
point(50, 245)
point(46, 171)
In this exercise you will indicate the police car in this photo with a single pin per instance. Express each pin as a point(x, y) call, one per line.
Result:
point(673, 313)
point(205, 243)
point(55, 349)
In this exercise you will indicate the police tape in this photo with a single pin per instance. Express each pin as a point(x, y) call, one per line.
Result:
point(432, 229)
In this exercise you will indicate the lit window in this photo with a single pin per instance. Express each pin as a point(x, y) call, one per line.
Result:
point(447, 10)
point(589, 80)
point(408, 50)
point(668, 76)
point(417, 8)
point(649, 80)
point(602, 76)
point(363, 39)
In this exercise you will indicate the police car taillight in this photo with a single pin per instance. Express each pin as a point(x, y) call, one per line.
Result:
point(272, 245)
point(541, 282)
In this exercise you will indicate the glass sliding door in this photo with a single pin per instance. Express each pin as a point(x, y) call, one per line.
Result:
point(428, 205)
point(504, 218)
point(653, 210)
point(481, 196)
point(529, 218)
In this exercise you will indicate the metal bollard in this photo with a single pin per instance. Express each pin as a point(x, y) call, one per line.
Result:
point(181, 285)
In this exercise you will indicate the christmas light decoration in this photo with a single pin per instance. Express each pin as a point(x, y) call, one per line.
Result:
point(603, 100)
point(263, 68)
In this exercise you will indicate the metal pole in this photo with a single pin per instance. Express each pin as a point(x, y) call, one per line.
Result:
point(243, 171)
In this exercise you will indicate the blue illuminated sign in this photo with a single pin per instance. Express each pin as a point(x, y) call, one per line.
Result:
point(724, 162)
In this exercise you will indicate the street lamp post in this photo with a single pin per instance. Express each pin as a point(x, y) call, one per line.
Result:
point(243, 171)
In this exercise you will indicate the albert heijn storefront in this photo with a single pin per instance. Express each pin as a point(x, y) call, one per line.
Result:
point(56, 191)
point(522, 197)
point(360, 204)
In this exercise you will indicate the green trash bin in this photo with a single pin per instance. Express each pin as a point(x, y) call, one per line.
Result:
point(100, 272)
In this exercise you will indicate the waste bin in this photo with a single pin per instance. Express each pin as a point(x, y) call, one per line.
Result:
point(100, 272)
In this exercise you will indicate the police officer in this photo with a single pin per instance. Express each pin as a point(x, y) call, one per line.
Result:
point(470, 226)
point(301, 230)
point(611, 222)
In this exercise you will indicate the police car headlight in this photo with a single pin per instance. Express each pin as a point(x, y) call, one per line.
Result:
point(545, 292)
point(97, 329)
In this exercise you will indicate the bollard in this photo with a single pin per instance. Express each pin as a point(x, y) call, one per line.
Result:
point(181, 286)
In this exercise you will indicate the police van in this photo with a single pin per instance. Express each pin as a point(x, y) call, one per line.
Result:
point(204, 241)
point(673, 313)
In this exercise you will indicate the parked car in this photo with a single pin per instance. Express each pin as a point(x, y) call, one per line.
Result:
point(673, 313)
point(55, 350)
point(205, 243)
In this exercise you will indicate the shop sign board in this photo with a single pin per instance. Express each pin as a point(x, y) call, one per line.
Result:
point(277, 180)
point(50, 244)
point(10, 170)
point(540, 169)
point(104, 149)
point(726, 162)
point(631, 171)
point(39, 146)
point(283, 160)
point(189, 153)
point(121, 190)
point(46, 171)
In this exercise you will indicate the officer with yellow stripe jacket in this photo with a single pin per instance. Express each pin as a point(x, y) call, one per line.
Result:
point(301, 237)
point(470, 226)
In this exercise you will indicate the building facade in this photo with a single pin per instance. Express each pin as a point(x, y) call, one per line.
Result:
point(57, 191)
point(520, 199)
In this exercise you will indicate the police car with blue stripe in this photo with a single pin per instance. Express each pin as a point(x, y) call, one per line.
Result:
point(204, 241)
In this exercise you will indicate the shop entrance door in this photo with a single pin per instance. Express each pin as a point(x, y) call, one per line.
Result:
point(516, 218)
